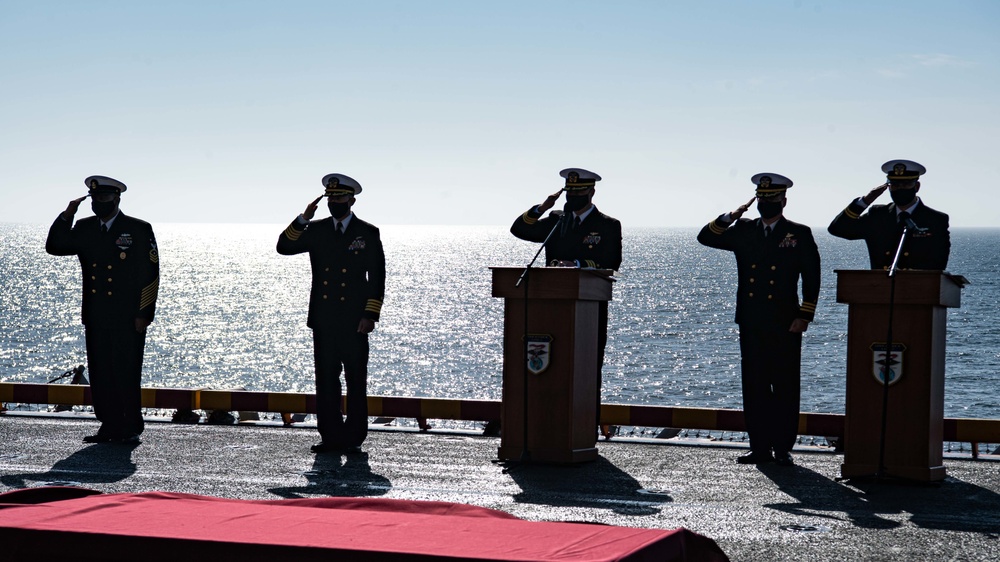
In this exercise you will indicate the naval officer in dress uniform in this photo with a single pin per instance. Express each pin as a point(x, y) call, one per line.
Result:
point(121, 278)
point(586, 237)
point(348, 285)
point(772, 253)
point(928, 241)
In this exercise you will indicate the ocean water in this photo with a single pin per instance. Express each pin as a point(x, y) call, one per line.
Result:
point(231, 314)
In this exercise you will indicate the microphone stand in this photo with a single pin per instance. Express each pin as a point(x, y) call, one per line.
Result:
point(77, 373)
point(525, 278)
point(881, 472)
point(524, 274)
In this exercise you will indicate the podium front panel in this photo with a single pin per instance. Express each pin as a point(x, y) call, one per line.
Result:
point(561, 403)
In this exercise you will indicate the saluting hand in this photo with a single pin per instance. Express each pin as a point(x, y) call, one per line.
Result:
point(741, 209)
point(71, 209)
point(549, 201)
point(310, 211)
point(874, 193)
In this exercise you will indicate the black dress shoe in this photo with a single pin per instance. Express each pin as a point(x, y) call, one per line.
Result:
point(131, 439)
point(353, 449)
point(783, 459)
point(755, 458)
point(97, 438)
point(323, 447)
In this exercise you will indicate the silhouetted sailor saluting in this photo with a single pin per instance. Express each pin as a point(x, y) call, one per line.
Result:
point(348, 285)
point(121, 278)
point(928, 243)
point(772, 253)
point(586, 238)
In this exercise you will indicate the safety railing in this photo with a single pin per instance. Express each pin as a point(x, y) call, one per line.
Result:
point(961, 430)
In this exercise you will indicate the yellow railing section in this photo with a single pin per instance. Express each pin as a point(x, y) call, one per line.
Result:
point(963, 430)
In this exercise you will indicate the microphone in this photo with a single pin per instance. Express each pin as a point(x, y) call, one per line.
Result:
point(909, 222)
point(565, 220)
point(913, 226)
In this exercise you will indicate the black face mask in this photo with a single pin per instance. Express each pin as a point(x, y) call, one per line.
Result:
point(575, 203)
point(338, 210)
point(903, 197)
point(102, 208)
point(769, 209)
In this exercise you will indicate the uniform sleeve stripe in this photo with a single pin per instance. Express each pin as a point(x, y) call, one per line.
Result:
point(293, 233)
point(527, 218)
point(715, 228)
point(808, 307)
point(850, 214)
point(149, 293)
point(374, 305)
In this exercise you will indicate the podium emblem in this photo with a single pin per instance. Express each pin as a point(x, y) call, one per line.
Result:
point(891, 366)
point(539, 352)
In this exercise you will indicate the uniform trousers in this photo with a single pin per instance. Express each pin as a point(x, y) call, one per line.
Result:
point(337, 350)
point(770, 364)
point(114, 357)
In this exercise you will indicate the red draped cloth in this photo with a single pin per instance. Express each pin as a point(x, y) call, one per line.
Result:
point(77, 524)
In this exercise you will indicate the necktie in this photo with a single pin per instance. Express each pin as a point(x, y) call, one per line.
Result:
point(104, 228)
point(340, 227)
point(901, 221)
point(767, 230)
point(576, 221)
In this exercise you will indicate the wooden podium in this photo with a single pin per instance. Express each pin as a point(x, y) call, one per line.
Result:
point(914, 426)
point(561, 400)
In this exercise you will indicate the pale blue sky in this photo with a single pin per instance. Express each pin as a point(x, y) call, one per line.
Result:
point(463, 112)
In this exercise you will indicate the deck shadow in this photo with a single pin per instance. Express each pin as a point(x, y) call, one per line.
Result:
point(594, 485)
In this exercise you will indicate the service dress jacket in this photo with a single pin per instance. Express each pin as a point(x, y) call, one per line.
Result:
point(596, 242)
point(121, 268)
point(769, 269)
point(348, 270)
point(927, 248)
